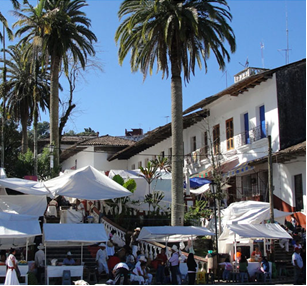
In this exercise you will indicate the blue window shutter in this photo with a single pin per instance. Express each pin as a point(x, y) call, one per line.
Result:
point(246, 128)
point(262, 121)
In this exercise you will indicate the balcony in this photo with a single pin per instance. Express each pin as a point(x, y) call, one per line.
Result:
point(251, 136)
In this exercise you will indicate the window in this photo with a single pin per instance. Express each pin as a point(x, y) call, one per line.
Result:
point(229, 134)
point(298, 188)
point(162, 154)
point(204, 150)
point(140, 164)
point(133, 167)
point(246, 129)
point(193, 143)
point(146, 162)
point(262, 121)
point(216, 139)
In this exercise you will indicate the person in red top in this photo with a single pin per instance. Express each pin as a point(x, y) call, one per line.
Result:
point(256, 254)
point(162, 259)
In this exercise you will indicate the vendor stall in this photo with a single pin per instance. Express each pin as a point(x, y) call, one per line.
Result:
point(16, 231)
point(63, 235)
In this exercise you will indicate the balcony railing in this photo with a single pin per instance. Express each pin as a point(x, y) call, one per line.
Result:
point(253, 135)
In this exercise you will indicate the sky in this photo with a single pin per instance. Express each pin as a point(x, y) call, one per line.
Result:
point(117, 99)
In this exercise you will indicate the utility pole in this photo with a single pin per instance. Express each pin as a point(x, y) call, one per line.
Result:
point(270, 175)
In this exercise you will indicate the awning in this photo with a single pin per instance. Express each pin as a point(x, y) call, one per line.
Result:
point(172, 233)
point(202, 189)
point(74, 234)
point(270, 231)
point(239, 169)
point(197, 182)
point(224, 168)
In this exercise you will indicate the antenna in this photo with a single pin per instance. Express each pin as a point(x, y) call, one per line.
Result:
point(262, 57)
point(246, 65)
point(287, 36)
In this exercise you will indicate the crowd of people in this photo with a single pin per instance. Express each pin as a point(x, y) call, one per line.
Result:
point(128, 265)
point(296, 245)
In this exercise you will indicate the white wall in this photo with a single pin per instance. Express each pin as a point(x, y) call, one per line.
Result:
point(283, 180)
point(223, 109)
point(96, 159)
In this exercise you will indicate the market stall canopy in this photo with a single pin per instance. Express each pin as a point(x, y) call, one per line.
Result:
point(269, 231)
point(172, 233)
point(25, 186)
point(73, 234)
point(251, 212)
point(197, 182)
point(16, 229)
point(86, 183)
point(25, 205)
point(201, 190)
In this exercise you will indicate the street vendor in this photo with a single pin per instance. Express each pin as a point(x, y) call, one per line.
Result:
point(69, 260)
point(256, 254)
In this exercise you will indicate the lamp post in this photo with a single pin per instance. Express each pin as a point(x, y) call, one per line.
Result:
point(213, 188)
point(51, 149)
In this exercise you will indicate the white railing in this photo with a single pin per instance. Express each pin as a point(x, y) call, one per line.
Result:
point(119, 236)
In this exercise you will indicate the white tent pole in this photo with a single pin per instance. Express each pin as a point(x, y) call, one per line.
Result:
point(235, 255)
point(45, 264)
point(27, 249)
point(81, 253)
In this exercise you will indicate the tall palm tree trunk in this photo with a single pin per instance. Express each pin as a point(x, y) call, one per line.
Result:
point(24, 133)
point(177, 215)
point(54, 108)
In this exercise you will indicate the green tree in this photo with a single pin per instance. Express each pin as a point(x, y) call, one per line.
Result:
point(175, 34)
point(3, 86)
point(63, 29)
point(20, 86)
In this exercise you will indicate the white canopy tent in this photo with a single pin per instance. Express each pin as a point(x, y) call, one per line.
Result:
point(235, 232)
point(86, 183)
point(17, 230)
point(25, 186)
point(172, 233)
point(62, 235)
point(25, 205)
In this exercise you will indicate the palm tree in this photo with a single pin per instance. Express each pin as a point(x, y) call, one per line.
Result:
point(20, 86)
point(62, 28)
point(3, 88)
point(178, 34)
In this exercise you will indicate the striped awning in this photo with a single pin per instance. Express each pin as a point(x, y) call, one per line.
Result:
point(239, 169)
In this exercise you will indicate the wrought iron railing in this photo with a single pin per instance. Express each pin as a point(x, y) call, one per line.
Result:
point(253, 135)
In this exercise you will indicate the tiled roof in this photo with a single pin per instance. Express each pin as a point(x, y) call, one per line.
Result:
point(103, 141)
point(108, 140)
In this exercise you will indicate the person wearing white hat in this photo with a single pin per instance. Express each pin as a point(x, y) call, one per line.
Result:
point(140, 273)
point(174, 263)
point(69, 260)
point(39, 262)
point(134, 242)
point(101, 259)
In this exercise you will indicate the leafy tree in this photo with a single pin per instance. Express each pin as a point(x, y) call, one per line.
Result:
point(20, 87)
point(62, 28)
point(88, 132)
point(12, 143)
point(174, 36)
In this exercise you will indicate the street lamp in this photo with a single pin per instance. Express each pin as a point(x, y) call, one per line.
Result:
point(51, 149)
point(213, 188)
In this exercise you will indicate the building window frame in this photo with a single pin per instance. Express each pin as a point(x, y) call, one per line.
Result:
point(229, 134)
point(216, 139)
